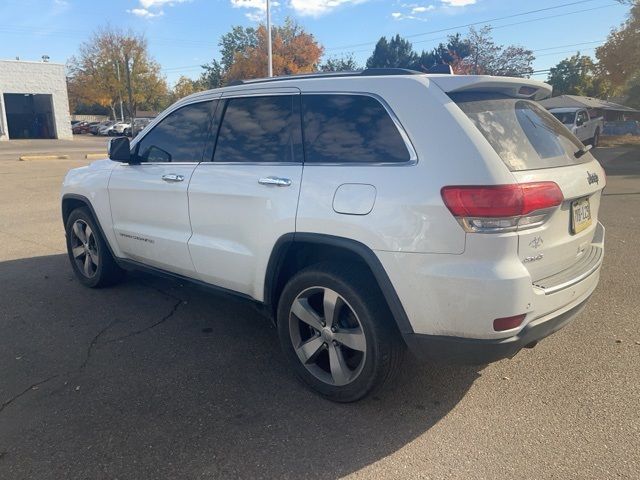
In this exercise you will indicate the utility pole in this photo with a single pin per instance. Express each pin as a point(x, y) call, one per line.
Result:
point(269, 52)
point(119, 91)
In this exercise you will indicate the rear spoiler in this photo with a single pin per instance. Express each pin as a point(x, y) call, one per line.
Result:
point(510, 86)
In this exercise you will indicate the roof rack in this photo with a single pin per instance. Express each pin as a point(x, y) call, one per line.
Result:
point(369, 72)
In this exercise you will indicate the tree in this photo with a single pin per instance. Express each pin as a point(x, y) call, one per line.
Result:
point(243, 54)
point(487, 58)
point(450, 53)
point(213, 75)
point(294, 51)
point(619, 56)
point(340, 64)
point(184, 87)
point(112, 67)
point(577, 75)
point(395, 53)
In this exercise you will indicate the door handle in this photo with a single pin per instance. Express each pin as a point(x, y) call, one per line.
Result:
point(278, 182)
point(172, 178)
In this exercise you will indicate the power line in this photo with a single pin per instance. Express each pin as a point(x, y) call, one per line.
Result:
point(503, 26)
point(471, 24)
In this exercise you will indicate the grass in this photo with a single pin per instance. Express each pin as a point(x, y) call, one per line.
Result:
point(619, 141)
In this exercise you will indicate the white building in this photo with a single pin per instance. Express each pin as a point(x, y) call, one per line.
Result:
point(33, 100)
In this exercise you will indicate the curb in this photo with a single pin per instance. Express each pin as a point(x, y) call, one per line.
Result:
point(25, 158)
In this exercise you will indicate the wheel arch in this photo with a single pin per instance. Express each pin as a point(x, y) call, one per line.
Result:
point(72, 201)
point(294, 251)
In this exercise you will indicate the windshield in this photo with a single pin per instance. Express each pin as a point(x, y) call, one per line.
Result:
point(565, 117)
point(523, 134)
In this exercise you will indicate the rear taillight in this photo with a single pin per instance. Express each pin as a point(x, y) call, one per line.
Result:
point(502, 208)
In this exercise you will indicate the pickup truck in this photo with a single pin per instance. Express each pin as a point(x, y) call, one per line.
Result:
point(581, 124)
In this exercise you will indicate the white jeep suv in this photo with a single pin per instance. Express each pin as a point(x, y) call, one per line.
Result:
point(366, 211)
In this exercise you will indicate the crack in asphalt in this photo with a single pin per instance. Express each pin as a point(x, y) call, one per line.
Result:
point(94, 343)
point(27, 390)
point(174, 309)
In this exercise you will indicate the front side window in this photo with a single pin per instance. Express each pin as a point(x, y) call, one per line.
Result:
point(350, 129)
point(179, 137)
point(260, 129)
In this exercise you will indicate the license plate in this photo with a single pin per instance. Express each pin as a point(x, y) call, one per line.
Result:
point(580, 215)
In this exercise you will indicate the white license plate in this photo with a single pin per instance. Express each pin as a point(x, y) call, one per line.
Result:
point(580, 215)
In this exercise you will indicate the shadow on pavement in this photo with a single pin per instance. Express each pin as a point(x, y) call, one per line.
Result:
point(155, 379)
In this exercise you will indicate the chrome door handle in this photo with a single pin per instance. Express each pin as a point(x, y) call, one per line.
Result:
point(172, 178)
point(278, 182)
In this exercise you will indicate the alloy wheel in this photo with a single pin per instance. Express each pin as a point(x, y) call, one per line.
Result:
point(327, 336)
point(84, 248)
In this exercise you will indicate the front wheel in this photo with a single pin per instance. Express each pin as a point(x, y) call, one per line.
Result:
point(88, 252)
point(337, 332)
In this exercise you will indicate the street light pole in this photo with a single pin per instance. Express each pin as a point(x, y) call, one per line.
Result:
point(269, 52)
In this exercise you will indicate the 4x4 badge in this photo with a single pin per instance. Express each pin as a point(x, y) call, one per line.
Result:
point(592, 178)
point(536, 242)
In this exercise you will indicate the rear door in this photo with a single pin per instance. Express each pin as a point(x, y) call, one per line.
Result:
point(245, 198)
point(149, 203)
point(536, 147)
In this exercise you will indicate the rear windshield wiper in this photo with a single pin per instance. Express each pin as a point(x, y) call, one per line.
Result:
point(582, 151)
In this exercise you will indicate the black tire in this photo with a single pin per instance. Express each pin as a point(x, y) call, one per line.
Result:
point(359, 292)
point(596, 138)
point(102, 269)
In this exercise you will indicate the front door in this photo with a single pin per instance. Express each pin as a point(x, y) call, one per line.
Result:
point(246, 198)
point(149, 203)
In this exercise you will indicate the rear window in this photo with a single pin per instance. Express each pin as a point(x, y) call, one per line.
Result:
point(523, 134)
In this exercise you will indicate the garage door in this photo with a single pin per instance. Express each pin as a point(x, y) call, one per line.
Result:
point(29, 115)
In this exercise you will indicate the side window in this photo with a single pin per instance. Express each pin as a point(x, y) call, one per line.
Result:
point(179, 137)
point(350, 129)
point(260, 129)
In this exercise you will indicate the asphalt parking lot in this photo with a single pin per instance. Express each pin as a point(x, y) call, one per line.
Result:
point(154, 379)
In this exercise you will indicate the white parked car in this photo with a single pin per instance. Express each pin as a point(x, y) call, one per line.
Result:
point(105, 127)
point(580, 122)
point(118, 128)
point(367, 212)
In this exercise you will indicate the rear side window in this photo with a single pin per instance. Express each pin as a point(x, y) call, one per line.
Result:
point(350, 129)
point(260, 129)
point(523, 134)
point(179, 137)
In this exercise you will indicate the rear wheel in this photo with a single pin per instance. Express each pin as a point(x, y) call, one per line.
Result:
point(337, 332)
point(88, 252)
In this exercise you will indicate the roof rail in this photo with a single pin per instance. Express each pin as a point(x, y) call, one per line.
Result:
point(369, 72)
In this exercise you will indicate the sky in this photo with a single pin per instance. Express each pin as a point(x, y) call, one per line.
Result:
point(183, 34)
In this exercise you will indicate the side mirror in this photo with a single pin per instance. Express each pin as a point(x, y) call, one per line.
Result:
point(579, 122)
point(119, 149)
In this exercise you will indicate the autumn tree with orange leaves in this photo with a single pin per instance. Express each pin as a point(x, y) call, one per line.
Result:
point(294, 51)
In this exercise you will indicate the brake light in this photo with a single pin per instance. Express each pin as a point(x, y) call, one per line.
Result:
point(500, 324)
point(500, 208)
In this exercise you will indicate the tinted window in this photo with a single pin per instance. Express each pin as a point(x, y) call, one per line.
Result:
point(260, 129)
point(350, 129)
point(524, 134)
point(179, 137)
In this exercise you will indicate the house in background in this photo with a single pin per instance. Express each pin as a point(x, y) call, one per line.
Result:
point(33, 100)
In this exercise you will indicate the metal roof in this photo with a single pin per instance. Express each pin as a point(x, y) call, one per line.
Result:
point(584, 102)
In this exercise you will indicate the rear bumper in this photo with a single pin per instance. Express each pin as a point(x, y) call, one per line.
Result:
point(471, 351)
